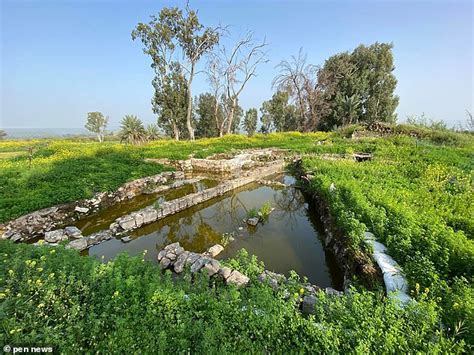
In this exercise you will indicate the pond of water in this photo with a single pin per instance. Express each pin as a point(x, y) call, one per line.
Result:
point(103, 218)
point(289, 240)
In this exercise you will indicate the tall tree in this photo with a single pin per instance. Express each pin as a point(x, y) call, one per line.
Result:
point(175, 29)
point(298, 79)
point(206, 113)
point(277, 114)
point(3, 134)
point(170, 101)
point(240, 65)
point(132, 130)
point(215, 75)
point(97, 123)
point(250, 121)
point(360, 84)
point(152, 132)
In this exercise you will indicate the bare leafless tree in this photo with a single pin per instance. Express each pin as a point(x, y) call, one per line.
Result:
point(240, 65)
point(299, 79)
point(215, 75)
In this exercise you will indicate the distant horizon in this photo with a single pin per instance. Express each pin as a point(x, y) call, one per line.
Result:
point(52, 78)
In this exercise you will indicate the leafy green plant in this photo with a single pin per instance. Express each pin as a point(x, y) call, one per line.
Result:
point(78, 304)
point(252, 213)
point(265, 210)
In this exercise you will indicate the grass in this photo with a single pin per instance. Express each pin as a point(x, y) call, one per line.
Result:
point(54, 297)
point(415, 195)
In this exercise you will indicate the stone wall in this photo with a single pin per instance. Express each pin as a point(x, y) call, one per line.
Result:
point(360, 263)
point(36, 224)
point(151, 214)
point(226, 163)
point(352, 263)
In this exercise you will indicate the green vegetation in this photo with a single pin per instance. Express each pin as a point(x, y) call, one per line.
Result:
point(415, 195)
point(265, 210)
point(418, 201)
point(132, 130)
point(76, 304)
point(252, 213)
point(250, 121)
point(97, 123)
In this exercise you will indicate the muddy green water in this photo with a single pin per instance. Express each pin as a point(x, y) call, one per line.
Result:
point(291, 238)
point(103, 218)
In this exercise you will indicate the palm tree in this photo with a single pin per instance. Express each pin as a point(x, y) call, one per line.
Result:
point(350, 105)
point(152, 132)
point(132, 130)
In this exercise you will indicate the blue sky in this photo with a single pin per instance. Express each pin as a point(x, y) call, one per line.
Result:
point(62, 59)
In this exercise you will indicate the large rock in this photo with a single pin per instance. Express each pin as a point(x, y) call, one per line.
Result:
point(73, 232)
point(81, 209)
point(138, 220)
point(309, 301)
point(238, 279)
point(149, 215)
point(165, 262)
point(55, 236)
point(192, 258)
point(225, 272)
point(212, 267)
point(252, 221)
point(127, 223)
point(199, 264)
point(214, 250)
point(174, 248)
point(272, 278)
point(78, 244)
point(180, 262)
point(332, 292)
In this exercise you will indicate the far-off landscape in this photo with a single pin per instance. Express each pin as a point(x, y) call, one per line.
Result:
point(237, 177)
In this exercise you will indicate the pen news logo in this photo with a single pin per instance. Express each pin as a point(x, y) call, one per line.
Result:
point(7, 349)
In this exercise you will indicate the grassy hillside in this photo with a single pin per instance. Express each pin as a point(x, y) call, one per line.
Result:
point(415, 196)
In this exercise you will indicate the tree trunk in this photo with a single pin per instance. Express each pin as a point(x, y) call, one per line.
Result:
point(176, 131)
point(190, 105)
point(216, 116)
point(231, 116)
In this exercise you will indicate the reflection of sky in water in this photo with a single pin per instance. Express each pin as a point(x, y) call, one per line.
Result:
point(289, 240)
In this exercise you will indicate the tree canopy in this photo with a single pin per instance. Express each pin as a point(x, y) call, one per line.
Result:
point(97, 123)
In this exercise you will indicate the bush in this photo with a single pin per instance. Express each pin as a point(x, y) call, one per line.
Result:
point(55, 297)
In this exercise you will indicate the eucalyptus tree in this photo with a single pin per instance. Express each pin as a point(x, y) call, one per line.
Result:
point(97, 123)
point(250, 121)
point(358, 86)
point(208, 115)
point(132, 130)
point(174, 29)
point(278, 114)
point(170, 102)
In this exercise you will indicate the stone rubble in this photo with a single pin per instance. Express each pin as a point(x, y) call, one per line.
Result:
point(73, 232)
point(175, 258)
point(227, 163)
point(37, 223)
